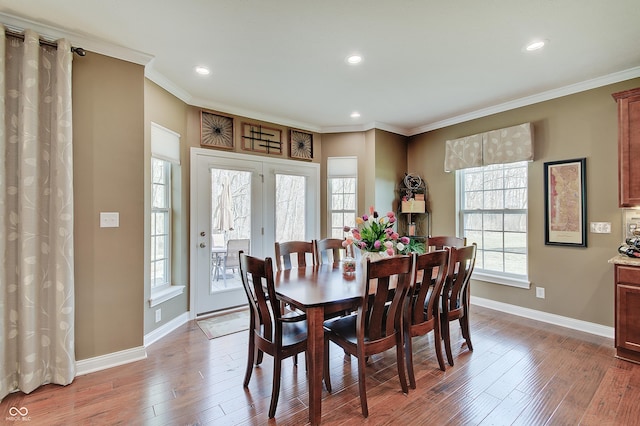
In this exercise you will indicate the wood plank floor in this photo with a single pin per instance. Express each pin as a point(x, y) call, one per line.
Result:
point(521, 372)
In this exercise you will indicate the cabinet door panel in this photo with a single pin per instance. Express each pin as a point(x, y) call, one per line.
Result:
point(628, 317)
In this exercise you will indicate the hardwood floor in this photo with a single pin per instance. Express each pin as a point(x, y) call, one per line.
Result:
point(521, 372)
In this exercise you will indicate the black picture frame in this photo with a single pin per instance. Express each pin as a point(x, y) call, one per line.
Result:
point(565, 203)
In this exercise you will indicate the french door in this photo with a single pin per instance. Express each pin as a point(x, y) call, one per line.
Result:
point(236, 196)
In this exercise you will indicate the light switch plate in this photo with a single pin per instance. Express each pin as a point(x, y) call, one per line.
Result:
point(109, 219)
point(600, 227)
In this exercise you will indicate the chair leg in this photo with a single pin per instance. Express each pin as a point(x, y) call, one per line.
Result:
point(275, 391)
point(464, 324)
point(325, 367)
point(408, 353)
point(362, 385)
point(250, 358)
point(438, 344)
point(400, 362)
point(447, 339)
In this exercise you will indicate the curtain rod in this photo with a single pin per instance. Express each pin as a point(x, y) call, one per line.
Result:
point(77, 50)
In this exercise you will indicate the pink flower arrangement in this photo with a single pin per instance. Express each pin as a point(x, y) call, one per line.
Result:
point(375, 233)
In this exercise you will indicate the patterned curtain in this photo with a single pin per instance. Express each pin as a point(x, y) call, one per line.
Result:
point(501, 146)
point(36, 215)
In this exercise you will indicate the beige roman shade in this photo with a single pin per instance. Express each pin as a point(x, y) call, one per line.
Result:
point(500, 146)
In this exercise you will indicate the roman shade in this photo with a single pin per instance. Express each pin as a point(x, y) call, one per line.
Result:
point(501, 146)
point(165, 144)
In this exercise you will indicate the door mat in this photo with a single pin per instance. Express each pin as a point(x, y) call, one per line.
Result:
point(221, 325)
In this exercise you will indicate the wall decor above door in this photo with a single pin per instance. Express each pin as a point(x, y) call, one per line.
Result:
point(301, 145)
point(216, 131)
point(258, 138)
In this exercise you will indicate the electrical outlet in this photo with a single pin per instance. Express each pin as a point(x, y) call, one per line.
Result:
point(158, 315)
point(600, 227)
point(109, 219)
point(540, 292)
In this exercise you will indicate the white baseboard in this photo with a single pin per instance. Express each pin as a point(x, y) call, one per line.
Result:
point(588, 327)
point(165, 329)
point(114, 359)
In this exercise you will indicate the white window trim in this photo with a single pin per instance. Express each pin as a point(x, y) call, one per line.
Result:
point(165, 293)
point(502, 280)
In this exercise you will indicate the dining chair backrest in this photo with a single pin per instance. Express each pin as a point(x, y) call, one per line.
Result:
point(331, 250)
point(422, 314)
point(257, 280)
point(290, 254)
point(441, 242)
point(234, 247)
point(461, 264)
point(378, 319)
point(424, 293)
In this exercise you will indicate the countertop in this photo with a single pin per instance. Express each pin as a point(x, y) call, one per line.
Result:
point(625, 260)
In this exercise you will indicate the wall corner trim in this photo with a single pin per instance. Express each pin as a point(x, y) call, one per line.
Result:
point(575, 324)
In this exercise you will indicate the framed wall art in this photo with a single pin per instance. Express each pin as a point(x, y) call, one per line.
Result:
point(565, 203)
point(262, 139)
point(216, 131)
point(301, 145)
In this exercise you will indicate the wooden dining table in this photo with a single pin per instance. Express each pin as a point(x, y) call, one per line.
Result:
point(319, 290)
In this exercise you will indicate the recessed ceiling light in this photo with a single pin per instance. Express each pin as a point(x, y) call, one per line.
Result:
point(354, 59)
point(355, 114)
point(202, 70)
point(536, 45)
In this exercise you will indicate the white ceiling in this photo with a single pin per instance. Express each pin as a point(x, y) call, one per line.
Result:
point(427, 63)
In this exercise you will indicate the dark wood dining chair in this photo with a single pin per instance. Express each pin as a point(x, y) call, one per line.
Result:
point(377, 325)
point(439, 242)
point(455, 295)
point(330, 250)
point(292, 253)
point(422, 314)
point(270, 332)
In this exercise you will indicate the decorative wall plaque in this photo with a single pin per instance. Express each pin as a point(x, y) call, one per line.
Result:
point(301, 145)
point(258, 138)
point(216, 130)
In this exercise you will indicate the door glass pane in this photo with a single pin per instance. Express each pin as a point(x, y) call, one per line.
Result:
point(230, 220)
point(290, 207)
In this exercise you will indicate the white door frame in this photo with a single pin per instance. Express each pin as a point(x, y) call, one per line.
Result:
point(270, 165)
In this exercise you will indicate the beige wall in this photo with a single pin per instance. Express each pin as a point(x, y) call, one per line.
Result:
point(108, 132)
point(391, 165)
point(578, 281)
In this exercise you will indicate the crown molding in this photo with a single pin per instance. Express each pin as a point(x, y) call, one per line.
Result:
point(533, 99)
point(18, 24)
point(254, 115)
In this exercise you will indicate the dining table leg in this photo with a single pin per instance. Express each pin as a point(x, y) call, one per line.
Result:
point(315, 355)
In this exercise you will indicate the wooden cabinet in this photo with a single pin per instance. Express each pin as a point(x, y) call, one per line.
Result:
point(628, 147)
point(627, 312)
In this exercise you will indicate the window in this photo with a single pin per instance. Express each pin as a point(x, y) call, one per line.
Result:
point(160, 223)
point(492, 208)
point(165, 159)
point(342, 183)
